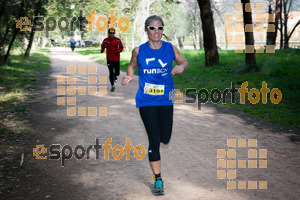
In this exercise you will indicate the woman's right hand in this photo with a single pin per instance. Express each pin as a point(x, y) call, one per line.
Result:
point(131, 67)
point(126, 80)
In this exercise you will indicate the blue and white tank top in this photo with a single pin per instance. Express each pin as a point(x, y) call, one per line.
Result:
point(155, 78)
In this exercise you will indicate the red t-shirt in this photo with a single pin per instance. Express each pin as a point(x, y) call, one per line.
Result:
point(113, 48)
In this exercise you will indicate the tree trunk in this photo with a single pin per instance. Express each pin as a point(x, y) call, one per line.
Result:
point(270, 35)
point(3, 5)
point(200, 36)
point(2, 43)
point(194, 27)
point(277, 18)
point(176, 41)
point(281, 29)
point(44, 41)
point(27, 52)
point(200, 41)
point(16, 31)
point(294, 28)
point(285, 15)
point(223, 22)
point(31, 38)
point(209, 35)
point(4, 36)
point(194, 40)
point(180, 42)
point(226, 41)
point(249, 37)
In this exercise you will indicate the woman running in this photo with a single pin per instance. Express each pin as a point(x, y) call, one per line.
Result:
point(154, 60)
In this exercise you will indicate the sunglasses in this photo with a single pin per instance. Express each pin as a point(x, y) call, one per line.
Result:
point(151, 28)
point(111, 33)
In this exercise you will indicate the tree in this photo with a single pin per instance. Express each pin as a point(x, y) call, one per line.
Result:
point(130, 10)
point(216, 8)
point(174, 20)
point(286, 6)
point(15, 32)
point(271, 36)
point(4, 28)
point(38, 10)
point(209, 35)
point(3, 6)
point(193, 14)
point(249, 37)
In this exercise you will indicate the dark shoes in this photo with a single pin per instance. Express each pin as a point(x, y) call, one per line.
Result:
point(158, 187)
point(112, 88)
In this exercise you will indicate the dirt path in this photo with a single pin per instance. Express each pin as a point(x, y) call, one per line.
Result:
point(189, 165)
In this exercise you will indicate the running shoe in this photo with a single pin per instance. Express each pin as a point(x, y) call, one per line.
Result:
point(116, 79)
point(158, 187)
point(113, 88)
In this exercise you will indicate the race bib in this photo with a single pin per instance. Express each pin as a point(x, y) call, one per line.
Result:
point(153, 89)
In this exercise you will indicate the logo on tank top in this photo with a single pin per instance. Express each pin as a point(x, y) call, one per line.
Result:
point(163, 71)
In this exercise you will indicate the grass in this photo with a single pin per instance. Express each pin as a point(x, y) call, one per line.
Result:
point(280, 70)
point(17, 78)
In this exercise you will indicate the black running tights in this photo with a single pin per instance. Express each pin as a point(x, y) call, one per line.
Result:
point(158, 121)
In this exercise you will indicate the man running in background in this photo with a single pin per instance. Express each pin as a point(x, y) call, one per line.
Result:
point(113, 47)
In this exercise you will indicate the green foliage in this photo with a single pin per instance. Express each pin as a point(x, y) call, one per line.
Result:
point(16, 80)
point(79, 8)
point(176, 21)
point(13, 11)
point(279, 70)
point(20, 73)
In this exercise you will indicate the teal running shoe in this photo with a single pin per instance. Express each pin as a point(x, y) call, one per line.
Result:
point(158, 187)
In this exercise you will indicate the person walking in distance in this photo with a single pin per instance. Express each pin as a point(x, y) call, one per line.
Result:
point(72, 44)
point(113, 47)
point(154, 60)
